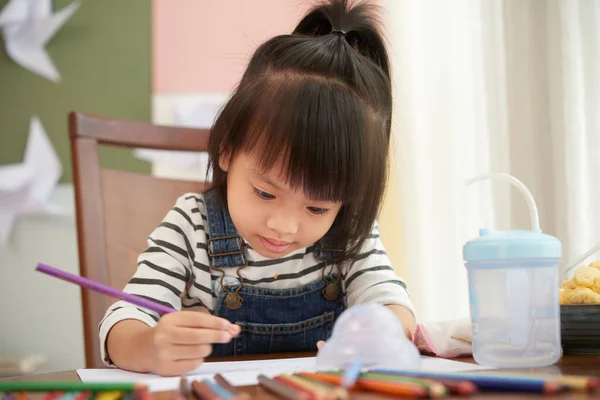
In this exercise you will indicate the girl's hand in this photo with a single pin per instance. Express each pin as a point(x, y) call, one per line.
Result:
point(182, 340)
point(320, 344)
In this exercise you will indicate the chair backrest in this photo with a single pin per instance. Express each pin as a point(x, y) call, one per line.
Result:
point(117, 210)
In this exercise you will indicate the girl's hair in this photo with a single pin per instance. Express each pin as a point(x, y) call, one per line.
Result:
point(318, 101)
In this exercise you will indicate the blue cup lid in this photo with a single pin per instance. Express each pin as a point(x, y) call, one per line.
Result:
point(511, 245)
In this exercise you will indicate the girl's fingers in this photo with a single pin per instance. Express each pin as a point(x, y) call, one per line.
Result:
point(197, 336)
point(179, 352)
point(320, 344)
point(194, 319)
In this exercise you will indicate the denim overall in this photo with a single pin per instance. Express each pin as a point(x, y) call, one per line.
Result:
point(271, 320)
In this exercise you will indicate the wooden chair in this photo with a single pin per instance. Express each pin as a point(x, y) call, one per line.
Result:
point(117, 210)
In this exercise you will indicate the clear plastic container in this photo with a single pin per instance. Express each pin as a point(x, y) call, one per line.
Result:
point(372, 333)
point(515, 312)
point(513, 281)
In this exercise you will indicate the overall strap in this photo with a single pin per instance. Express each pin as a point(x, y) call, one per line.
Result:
point(225, 245)
point(328, 248)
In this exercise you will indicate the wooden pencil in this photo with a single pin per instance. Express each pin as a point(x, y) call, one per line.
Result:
point(435, 389)
point(82, 396)
point(182, 391)
point(404, 389)
point(281, 389)
point(319, 391)
point(68, 396)
point(327, 377)
point(312, 395)
point(203, 391)
point(110, 395)
point(52, 395)
point(490, 381)
point(461, 388)
point(239, 394)
point(340, 392)
point(575, 382)
point(68, 386)
point(219, 390)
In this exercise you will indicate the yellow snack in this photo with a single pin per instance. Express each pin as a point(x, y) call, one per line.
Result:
point(581, 295)
point(595, 264)
point(584, 287)
point(585, 276)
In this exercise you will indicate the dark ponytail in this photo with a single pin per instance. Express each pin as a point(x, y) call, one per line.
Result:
point(358, 24)
point(319, 102)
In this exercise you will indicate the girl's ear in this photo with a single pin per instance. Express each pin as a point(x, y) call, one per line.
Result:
point(224, 160)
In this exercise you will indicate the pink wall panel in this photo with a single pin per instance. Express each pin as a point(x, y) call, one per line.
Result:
point(202, 46)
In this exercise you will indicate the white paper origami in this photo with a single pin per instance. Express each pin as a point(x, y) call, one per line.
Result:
point(27, 25)
point(26, 188)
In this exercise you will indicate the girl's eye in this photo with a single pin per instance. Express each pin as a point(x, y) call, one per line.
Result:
point(317, 210)
point(263, 195)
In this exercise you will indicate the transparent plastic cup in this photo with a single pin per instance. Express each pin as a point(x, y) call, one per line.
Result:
point(372, 333)
point(515, 312)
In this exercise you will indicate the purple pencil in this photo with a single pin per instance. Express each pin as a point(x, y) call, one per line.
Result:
point(107, 290)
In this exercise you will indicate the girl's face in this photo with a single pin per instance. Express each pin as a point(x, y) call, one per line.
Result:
point(274, 219)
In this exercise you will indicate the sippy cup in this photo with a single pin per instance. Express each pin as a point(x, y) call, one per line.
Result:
point(513, 279)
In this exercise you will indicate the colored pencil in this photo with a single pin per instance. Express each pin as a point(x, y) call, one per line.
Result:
point(110, 395)
point(319, 391)
point(68, 386)
point(281, 389)
point(68, 396)
point(340, 393)
point(581, 383)
point(352, 372)
point(104, 289)
point(394, 388)
point(52, 395)
point(575, 382)
point(182, 390)
point(488, 381)
point(143, 393)
point(328, 377)
point(434, 388)
point(204, 392)
point(82, 396)
point(440, 388)
point(239, 395)
point(220, 391)
point(460, 388)
point(312, 394)
point(22, 396)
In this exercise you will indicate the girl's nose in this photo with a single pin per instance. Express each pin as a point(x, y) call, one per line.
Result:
point(282, 223)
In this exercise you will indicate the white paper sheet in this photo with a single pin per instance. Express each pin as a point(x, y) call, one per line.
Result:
point(27, 25)
point(246, 372)
point(26, 188)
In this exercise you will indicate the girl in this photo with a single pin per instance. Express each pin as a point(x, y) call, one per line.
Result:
point(286, 237)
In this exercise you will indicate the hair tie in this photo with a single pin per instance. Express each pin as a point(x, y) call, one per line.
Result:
point(338, 32)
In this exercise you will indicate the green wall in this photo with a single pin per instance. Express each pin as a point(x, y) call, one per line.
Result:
point(103, 54)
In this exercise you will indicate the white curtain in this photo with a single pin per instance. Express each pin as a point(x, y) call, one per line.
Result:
point(492, 86)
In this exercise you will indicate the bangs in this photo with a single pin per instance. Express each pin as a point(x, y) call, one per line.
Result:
point(317, 130)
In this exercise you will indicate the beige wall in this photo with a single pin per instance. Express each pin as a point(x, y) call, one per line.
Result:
point(389, 219)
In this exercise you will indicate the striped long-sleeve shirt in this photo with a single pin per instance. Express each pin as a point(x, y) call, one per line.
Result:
point(174, 271)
